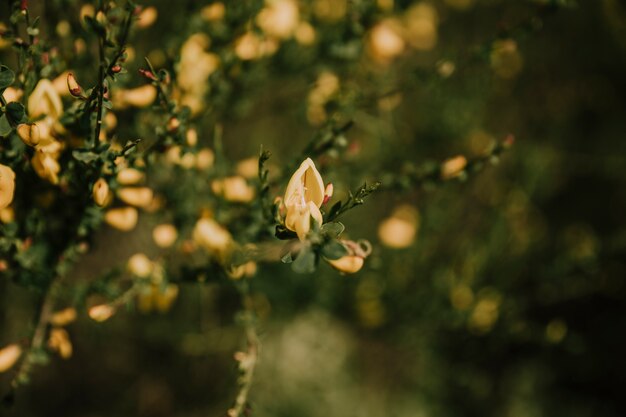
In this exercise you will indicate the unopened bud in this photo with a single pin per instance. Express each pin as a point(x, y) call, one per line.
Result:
point(73, 86)
point(116, 69)
point(148, 74)
point(508, 141)
point(173, 124)
point(328, 192)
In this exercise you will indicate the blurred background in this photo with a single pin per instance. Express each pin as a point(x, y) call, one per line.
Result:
point(501, 294)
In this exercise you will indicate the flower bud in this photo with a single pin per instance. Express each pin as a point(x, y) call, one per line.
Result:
point(124, 218)
point(147, 74)
point(101, 193)
point(328, 192)
point(9, 355)
point(173, 124)
point(29, 133)
point(115, 69)
point(101, 312)
point(73, 86)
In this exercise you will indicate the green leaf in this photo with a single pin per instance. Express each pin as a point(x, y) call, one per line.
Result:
point(16, 112)
point(6, 77)
point(287, 259)
point(5, 126)
point(334, 209)
point(334, 250)
point(333, 229)
point(305, 262)
point(86, 157)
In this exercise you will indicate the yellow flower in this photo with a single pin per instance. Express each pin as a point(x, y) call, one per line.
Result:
point(124, 218)
point(9, 355)
point(234, 189)
point(136, 196)
point(46, 166)
point(348, 264)
point(59, 340)
point(45, 101)
point(7, 185)
point(63, 317)
point(140, 265)
point(101, 193)
point(165, 235)
point(303, 198)
point(101, 312)
point(213, 237)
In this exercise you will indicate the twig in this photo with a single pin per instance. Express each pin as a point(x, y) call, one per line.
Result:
point(248, 362)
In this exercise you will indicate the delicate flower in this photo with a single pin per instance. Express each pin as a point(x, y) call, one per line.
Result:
point(234, 189)
point(213, 12)
point(9, 355)
point(63, 317)
point(453, 167)
point(399, 230)
point(124, 218)
point(279, 18)
point(46, 166)
point(303, 198)
point(212, 236)
point(386, 40)
point(101, 312)
point(29, 133)
point(165, 235)
point(147, 17)
point(136, 97)
point(136, 196)
point(7, 186)
point(140, 265)
point(129, 176)
point(45, 101)
point(205, 159)
point(59, 340)
point(355, 259)
point(348, 264)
